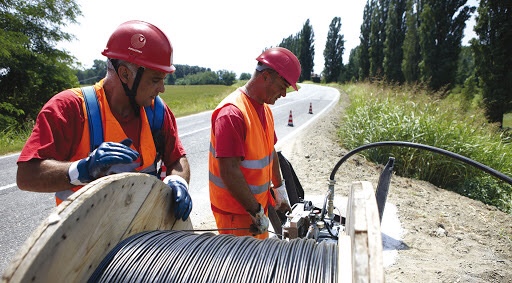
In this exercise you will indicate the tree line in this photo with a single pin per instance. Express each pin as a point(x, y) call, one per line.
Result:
point(420, 42)
point(184, 75)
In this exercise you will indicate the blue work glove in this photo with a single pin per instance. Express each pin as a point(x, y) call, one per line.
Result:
point(108, 158)
point(180, 196)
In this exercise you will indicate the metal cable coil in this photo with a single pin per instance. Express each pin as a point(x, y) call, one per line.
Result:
point(180, 256)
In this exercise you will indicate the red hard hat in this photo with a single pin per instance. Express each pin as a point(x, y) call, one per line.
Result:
point(284, 62)
point(141, 43)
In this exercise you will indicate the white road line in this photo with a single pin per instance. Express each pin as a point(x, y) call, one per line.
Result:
point(193, 132)
point(8, 186)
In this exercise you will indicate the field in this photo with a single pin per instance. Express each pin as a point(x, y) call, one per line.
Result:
point(185, 100)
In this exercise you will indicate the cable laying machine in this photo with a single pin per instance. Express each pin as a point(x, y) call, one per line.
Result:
point(120, 228)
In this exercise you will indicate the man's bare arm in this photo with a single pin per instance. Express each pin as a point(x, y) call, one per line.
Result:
point(180, 168)
point(44, 176)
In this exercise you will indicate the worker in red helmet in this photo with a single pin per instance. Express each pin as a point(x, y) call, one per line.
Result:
point(82, 134)
point(243, 164)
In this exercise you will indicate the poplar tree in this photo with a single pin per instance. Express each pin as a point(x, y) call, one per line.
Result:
point(493, 56)
point(465, 65)
point(440, 32)
point(351, 69)
point(364, 45)
point(333, 52)
point(395, 33)
point(307, 51)
point(378, 36)
point(292, 43)
point(411, 47)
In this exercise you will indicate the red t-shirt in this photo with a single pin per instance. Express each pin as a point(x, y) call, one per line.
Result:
point(59, 127)
point(230, 130)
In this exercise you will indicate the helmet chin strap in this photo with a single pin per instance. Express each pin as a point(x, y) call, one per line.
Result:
point(131, 93)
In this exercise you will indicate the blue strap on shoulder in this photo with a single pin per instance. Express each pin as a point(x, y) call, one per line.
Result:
point(155, 114)
point(94, 115)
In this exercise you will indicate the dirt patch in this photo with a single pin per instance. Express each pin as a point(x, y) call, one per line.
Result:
point(446, 237)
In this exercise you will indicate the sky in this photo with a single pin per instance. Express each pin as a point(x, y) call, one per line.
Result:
point(223, 34)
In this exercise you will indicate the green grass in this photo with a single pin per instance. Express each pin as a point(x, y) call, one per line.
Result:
point(13, 140)
point(507, 120)
point(186, 100)
point(378, 113)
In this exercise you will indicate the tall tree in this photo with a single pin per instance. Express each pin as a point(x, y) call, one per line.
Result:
point(292, 43)
point(493, 56)
point(411, 46)
point(333, 52)
point(364, 45)
point(307, 51)
point(395, 33)
point(466, 65)
point(378, 37)
point(351, 69)
point(440, 32)
point(32, 69)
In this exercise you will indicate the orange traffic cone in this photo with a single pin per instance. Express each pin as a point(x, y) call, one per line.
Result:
point(290, 120)
point(310, 108)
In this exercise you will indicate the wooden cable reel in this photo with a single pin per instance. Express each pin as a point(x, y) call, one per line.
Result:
point(79, 234)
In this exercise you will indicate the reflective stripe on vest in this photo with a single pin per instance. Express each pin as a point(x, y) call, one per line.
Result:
point(113, 132)
point(258, 162)
point(248, 164)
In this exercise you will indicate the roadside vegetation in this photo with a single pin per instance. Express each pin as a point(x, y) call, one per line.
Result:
point(385, 113)
point(12, 139)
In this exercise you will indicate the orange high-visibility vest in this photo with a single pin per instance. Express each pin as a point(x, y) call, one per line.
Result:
point(112, 131)
point(258, 162)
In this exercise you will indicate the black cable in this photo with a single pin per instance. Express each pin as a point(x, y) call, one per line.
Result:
point(464, 159)
point(322, 214)
point(329, 230)
point(177, 256)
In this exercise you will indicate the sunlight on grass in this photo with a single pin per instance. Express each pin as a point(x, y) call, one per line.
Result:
point(412, 114)
point(13, 140)
point(186, 100)
point(507, 120)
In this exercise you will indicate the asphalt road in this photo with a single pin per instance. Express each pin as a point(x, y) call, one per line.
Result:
point(23, 211)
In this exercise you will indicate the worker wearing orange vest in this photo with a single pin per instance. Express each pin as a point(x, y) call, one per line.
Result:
point(243, 164)
point(146, 154)
point(58, 156)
